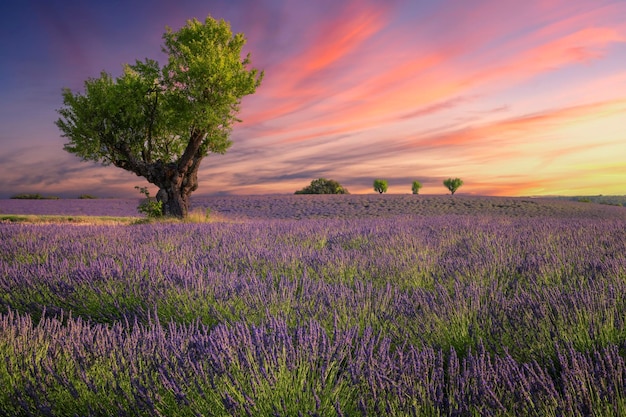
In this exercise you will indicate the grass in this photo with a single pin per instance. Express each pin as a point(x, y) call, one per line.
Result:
point(195, 216)
point(74, 220)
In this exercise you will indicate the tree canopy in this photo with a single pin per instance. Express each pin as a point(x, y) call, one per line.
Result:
point(453, 184)
point(161, 121)
point(380, 186)
point(415, 187)
point(323, 186)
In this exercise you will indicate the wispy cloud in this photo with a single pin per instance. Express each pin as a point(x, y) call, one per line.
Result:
point(516, 97)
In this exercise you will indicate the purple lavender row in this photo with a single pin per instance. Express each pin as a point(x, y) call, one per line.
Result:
point(516, 296)
point(516, 284)
point(73, 367)
point(330, 206)
point(73, 207)
point(381, 206)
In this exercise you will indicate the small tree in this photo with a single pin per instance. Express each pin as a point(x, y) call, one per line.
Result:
point(323, 186)
point(149, 206)
point(380, 186)
point(415, 187)
point(453, 184)
point(160, 122)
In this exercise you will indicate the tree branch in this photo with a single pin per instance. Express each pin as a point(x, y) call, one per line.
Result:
point(128, 161)
point(187, 159)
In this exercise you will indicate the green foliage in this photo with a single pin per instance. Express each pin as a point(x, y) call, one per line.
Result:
point(150, 207)
point(415, 187)
point(161, 121)
point(149, 111)
point(323, 186)
point(380, 186)
point(50, 218)
point(87, 197)
point(26, 196)
point(453, 184)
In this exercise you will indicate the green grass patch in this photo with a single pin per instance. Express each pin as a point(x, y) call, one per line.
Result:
point(78, 220)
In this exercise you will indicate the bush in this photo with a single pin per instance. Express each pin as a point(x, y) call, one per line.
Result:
point(35, 196)
point(323, 186)
point(25, 196)
point(150, 207)
point(453, 184)
point(415, 187)
point(87, 197)
point(380, 186)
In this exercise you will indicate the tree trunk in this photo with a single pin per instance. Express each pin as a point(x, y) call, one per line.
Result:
point(176, 180)
point(175, 189)
point(175, 202)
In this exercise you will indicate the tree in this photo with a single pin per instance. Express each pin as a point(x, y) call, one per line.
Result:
point(453, 184)
point(161, 122)
point(380, 186)
point(323, 186)
point(415, 187)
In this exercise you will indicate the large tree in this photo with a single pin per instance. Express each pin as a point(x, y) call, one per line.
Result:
point(161, 121)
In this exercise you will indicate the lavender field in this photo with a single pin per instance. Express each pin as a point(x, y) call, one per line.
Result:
point(351, 305)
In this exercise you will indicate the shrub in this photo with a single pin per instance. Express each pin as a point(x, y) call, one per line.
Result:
point(25, 196)
point(380, 186)
point(453, 184)
point(34, 196)
point(150, 207)
point(415, 187)
point(323, 186)
point(87, 197)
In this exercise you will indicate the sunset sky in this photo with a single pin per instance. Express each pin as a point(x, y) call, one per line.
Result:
point(517, 98)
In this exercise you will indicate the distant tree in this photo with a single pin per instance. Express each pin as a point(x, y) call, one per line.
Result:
point(35, 196)
point(380, 186)
point(323, 186)
point(415, 187)
point(27, 196)
point(161, 122)
point(453, 184)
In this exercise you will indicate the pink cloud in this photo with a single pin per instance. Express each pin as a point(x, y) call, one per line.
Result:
point(580, 46)
point(310, 83)
point(525, 126)
point(312, 86)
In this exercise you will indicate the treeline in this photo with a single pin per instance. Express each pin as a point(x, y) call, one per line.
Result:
point(37, 196)
point(326, 186)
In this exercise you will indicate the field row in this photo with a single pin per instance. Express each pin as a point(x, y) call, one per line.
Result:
point(331, 206)
point(437, 315)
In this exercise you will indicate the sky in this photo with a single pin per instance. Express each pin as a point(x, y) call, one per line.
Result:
point(516, 98)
